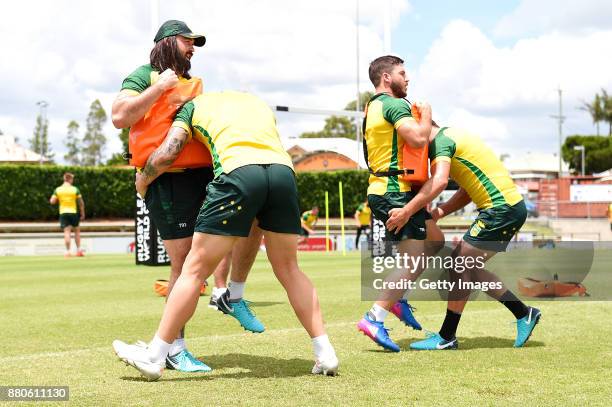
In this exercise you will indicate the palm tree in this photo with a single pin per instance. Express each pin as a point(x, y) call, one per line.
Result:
point(596, 109)
point(606, 102)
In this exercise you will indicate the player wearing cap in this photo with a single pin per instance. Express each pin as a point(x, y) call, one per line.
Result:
point(147, 103)
point(254, 181)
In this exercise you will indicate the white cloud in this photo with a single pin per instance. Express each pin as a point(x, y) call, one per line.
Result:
point(297, 53)
point(538, 16)
point(494, 129)
point(514, 87)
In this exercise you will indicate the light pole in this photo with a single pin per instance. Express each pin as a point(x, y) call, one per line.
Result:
point(581, 149)
point(561, 119)
point(42, 106)
point(358, 102)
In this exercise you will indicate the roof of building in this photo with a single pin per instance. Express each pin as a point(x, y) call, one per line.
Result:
point(11, 152)
point(534, 163)
point(340, 145)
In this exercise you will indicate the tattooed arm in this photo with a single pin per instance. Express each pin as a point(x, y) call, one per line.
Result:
point(161, 159)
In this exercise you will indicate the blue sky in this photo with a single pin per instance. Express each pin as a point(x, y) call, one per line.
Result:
point(412, 38)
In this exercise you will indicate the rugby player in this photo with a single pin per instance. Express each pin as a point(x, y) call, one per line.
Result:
point(254, 181)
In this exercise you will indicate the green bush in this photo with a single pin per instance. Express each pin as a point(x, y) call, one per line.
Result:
point(25, 190)
point(312, 187)
point(109, 192)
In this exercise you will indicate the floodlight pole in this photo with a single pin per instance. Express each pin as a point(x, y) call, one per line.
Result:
point(358, 104)
point(561, 119)
point(42, 106)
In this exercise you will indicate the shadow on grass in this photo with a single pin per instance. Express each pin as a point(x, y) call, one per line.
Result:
point(257, 304)
point(483, 342)
point(253, 366)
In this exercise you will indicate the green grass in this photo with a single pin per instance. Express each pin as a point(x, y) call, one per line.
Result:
point(59, 316)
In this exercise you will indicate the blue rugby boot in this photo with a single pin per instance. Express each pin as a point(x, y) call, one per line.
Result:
point(404, 312)
point(377, 332)
point(526, 325)
point(434, 342)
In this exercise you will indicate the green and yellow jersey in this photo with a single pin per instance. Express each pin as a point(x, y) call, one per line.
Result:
point(475, 167)
point(309, 219)
point(238, 129)
point(139, 80)
point(364, 214)
point(385, 114)
point(142, 78)
point(67, 196)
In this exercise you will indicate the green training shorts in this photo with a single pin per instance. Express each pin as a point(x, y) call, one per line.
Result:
point(174, 199)
point(266, 192)
point(493, 228)
point(69, 219)
point(382, 204)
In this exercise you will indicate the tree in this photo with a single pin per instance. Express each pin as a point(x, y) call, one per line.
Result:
point(94, 140)
point(39, 143)
point(597, 152)
point(73, 144)
point(600, 110)
point(607, 109)
point(341, 126)
point(595, 109)
point(119, 158)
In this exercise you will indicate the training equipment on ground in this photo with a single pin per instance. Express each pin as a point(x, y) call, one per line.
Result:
point(531, 287)
point(161, 288)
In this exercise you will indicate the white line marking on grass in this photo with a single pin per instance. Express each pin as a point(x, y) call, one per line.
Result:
point(108, 348)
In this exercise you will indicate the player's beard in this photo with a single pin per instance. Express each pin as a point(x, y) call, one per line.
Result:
point(183, 64)
point(399, 91)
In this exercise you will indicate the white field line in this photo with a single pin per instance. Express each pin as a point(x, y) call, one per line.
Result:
point(207, 338)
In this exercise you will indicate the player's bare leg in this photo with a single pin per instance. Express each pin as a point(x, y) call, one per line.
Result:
point(231, 302)
point(77, 240)
point(206, 253)
point(281, 249)
point(67, 237)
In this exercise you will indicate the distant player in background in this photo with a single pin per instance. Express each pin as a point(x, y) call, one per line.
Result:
point(363, 217)
point(610, 214)
point(308, 220)
point(68, 195)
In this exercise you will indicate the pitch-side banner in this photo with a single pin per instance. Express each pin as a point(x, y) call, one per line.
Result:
point(149, 248)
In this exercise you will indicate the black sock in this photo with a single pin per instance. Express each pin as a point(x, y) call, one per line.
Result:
point(516, 306)
point(450, 324)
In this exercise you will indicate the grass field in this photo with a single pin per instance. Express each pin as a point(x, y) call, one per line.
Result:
point(59, 316)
